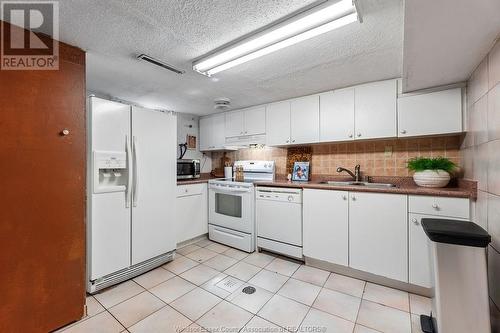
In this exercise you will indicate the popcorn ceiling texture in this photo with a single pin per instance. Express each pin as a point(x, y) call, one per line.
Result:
point(369, 154)
point(178, 31)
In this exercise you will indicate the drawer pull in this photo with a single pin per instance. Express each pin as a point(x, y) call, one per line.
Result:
point(435, 206)
point(415, 221)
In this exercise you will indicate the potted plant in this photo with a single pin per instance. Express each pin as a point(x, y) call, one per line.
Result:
point(431, 172)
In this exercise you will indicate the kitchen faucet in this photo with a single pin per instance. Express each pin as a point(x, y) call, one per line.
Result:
point(355, 175)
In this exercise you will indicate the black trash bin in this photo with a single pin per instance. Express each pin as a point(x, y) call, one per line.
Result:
point(458, 255)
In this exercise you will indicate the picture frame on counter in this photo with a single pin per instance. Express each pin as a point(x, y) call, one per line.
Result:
point(300, 171)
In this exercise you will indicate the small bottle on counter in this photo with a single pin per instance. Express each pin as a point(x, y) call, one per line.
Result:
point(238, 176)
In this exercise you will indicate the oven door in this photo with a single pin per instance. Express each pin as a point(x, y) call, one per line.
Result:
point(231, 207)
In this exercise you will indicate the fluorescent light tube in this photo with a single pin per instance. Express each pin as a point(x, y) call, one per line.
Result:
point(309, 25)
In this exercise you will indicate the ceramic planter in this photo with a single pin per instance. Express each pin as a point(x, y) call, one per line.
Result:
point(432, 178)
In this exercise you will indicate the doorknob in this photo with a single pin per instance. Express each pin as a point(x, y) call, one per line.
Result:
point(64, 132)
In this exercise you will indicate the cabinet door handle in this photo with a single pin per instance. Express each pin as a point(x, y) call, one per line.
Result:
point(403, 132)
point(353, 198)
point(359, 135)
point(435, 206)
point(344, 197)
point(350, 135)
point(293, 140)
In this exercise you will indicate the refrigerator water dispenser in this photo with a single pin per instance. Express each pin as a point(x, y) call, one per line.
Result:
point(110, 171)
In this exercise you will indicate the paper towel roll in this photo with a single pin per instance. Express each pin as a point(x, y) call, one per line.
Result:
point(228, 172)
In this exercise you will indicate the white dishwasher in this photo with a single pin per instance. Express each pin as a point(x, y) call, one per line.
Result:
point(279, 220)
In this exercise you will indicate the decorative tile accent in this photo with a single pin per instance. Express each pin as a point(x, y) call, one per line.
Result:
point(297, 154)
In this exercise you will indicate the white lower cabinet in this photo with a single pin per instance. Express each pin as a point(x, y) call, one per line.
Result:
point(192, 211)
point(378, 241)
point(418, 249)
point(376, 233)
point(419, 252)
point(326, 225)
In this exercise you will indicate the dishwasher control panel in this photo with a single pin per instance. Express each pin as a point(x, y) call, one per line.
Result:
point(279, 194)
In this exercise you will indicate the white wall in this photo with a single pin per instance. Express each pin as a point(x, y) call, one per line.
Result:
point(184, 121)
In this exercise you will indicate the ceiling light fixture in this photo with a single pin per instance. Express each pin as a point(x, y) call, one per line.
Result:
point(300, 27)
point(160, 63)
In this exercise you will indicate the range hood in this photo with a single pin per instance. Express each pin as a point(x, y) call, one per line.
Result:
point(238, 142)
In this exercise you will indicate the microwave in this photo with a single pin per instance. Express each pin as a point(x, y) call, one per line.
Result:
point(187, 169)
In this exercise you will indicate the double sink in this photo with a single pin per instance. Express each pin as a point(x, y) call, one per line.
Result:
point(360, 184)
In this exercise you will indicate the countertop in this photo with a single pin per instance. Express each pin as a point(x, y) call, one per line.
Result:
point(404, 185)
point(458, 188)
point(204, 177)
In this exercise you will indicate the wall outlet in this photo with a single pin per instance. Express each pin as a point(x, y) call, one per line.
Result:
point(388, 151)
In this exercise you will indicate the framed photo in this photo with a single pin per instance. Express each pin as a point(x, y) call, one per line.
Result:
point(191, 141)
point(300, 171)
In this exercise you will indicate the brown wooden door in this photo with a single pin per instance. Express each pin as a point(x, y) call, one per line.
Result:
point(42, 195)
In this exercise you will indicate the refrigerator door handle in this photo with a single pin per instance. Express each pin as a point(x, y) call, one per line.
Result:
point(128, 194)
point(136, 172)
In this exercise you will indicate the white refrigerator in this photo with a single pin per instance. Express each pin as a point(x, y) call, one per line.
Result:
point(131, 191)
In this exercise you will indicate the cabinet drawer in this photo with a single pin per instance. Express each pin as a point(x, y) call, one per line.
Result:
point(441, 206)
point(191, 189)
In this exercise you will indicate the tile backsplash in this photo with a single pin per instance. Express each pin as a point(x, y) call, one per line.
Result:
point(377, 158)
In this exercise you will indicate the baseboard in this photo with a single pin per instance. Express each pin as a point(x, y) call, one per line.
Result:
point(192, 240)
point(368, 277)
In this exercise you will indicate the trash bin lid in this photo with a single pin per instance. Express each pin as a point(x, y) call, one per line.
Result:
point(455, 232)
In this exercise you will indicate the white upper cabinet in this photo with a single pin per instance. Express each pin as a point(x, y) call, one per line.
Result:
point(219, 129)
point(378, 237)
point(235, 123)
point(326, 225)
point(212, 132)
point(246, 122)
point(375, 110)
point(278, 124)
point(205, 133)
point(336, 115)
point(255, 121)
point(304, 119)
point(431, 113)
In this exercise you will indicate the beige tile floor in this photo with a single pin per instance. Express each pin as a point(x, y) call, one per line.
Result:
point(201, 291)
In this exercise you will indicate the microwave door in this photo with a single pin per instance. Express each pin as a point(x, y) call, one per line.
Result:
point(185, 170)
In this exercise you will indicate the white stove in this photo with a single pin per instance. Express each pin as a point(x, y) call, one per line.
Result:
point(231, 218)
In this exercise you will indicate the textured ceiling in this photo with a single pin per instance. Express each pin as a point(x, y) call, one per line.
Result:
point(113, 32)
point(445, 40)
